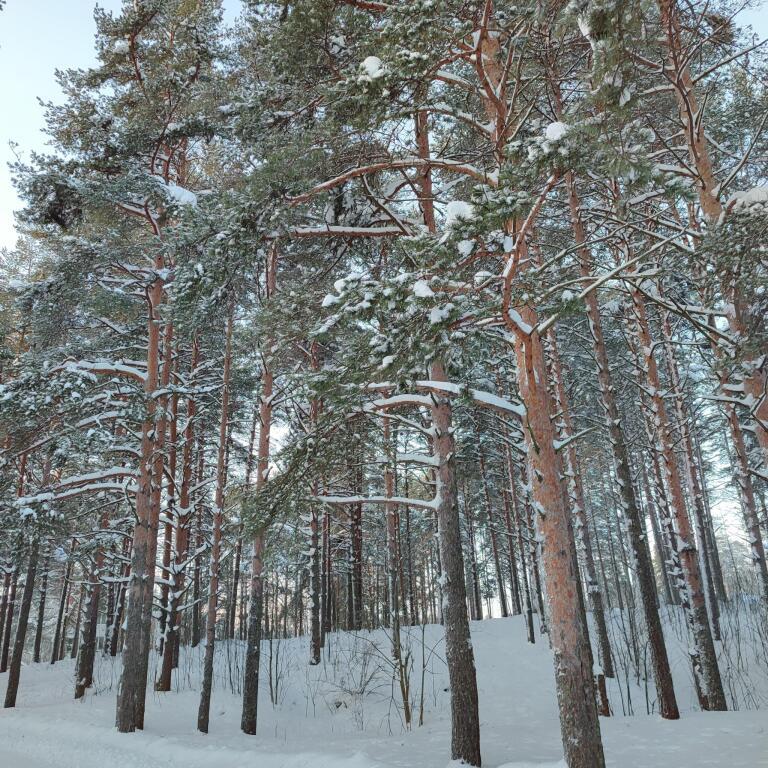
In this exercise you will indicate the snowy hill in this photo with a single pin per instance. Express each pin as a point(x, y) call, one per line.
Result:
point(345, 713)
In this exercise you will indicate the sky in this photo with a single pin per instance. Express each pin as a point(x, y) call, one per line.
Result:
point(36, 37)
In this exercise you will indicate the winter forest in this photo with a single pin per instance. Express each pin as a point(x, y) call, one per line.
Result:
point(384, 384)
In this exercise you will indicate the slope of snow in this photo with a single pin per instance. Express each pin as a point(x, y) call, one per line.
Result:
point(344, 713)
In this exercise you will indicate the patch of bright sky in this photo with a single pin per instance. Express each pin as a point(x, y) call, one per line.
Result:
point(36, 38)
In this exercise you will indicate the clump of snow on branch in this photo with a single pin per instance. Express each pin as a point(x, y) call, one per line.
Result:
point(372, 69)
point(457, 211)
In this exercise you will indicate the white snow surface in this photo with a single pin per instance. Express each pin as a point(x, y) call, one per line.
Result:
point(328, 717)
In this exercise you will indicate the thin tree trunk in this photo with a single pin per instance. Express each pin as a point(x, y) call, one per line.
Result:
point(703, 655)
point(326, 577)
point(14, 671)
point(465, 718)
point(4, 603)
point(110, 613)
point(232, 605)
point(195, 639)
point(248, 719)
point(62, 606)
point(9, 609)
point(314, 584)
point(477, 602)
point(657, 538)
point(465, 728)
point(412, 601)
point(521, 549)
point(494, 543)
point(203, 713)
point(78, 621)
point(393, 554)
point(518, 521)
point(717, 566)
point(132, 689)
point(87, 654)
point(511, 558)
point(117, 633)
point(356, 533)
point(177, 571)
point(40, 611)
point(533, 550)
point(171, 522)
point(662, 674)
point(576, 492)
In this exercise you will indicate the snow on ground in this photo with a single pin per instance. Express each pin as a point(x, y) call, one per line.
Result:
point(344, 713)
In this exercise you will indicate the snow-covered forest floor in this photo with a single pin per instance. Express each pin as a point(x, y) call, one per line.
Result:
point(347, 712)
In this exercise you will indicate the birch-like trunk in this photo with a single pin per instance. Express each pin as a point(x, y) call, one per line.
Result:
point(629, 506)
point(177, 569)
point(40, 610)
point(248, 718)
point(690, 583)
point(87, 651)
point(203, 712)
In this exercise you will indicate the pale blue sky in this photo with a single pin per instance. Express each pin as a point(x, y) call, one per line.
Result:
point(36, 37)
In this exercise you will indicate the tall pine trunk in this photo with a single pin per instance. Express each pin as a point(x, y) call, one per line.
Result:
point(87, 651)
point(133, 681)
point(629, 506)
point(703, 654)
point(249, 714)
point(203, 713)
point(14, 671)
point(579, 726)
point(465, 721)
point(40, 611)
point(177, 569)
point(576, 489)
